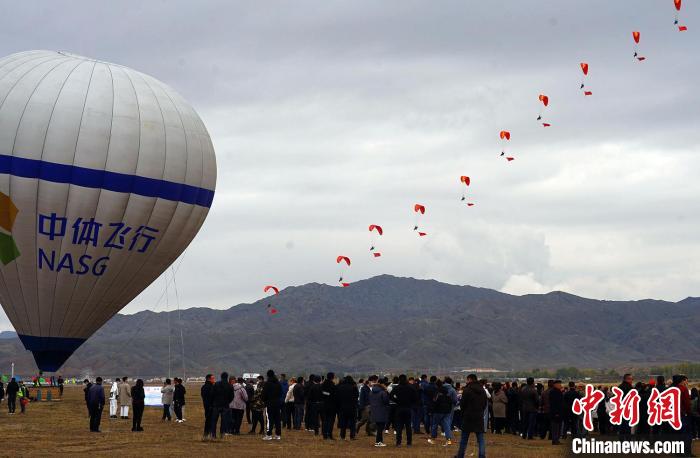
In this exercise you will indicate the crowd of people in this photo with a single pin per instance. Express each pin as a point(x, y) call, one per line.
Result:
point(402, 406)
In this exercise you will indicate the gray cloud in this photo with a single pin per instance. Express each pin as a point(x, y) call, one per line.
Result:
point(329, 116)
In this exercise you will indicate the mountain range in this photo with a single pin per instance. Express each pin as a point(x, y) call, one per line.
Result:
point(386, 323)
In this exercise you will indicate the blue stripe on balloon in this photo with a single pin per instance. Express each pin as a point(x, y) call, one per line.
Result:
point(103, 179)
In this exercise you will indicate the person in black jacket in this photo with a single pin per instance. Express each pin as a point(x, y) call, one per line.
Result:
point(330, 405)
point(624, 430)
point(271, 395)
point(299, 392)
point(428, 392)
point(315, 404)
point(556, 410)
point(179, 399)
point(347, 394)
point(571, 419)
point(221, 397)
point(138, 399)
point(405, 397)
point(86, 390)
point(529, 401)
point(472, 405)
point(13, 388)
point(205, 392)
point(513, 409)
point(417, 408)
point(250, 391)
point(307, 405)
point(363, 407)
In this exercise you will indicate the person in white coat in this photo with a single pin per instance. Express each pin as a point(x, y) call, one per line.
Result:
point(113, 392)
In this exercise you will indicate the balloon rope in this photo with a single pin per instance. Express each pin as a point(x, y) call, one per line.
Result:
point(160, 299)
point(179, 320)
point(167, 312)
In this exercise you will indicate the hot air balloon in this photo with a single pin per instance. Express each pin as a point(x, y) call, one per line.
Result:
point(106, 176)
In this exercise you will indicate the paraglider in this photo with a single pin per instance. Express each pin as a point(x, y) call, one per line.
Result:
point(545, 103)
point(419, 211)
point(467, 181)
point(270, 309)
point(677, 4)
point(635, 37)
point(340, 260)
point(375, 231)
point(584, 69)
point(505, 138)
point(271, 288)
point(94, 205)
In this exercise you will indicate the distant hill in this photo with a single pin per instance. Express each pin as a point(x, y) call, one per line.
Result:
point(391, 323)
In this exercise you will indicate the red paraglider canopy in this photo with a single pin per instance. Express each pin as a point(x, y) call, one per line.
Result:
point(375, 227)
point(344, 259)
point(271, 287)
point(465, 179)
point(418, 208)
point(635, 35)
point(505, 135)
point(584, 68)
point(544, 99)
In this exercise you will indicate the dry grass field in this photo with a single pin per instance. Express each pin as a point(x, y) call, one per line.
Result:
point(61, 428)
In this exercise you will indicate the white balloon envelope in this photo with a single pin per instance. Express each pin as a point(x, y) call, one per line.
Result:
point(106, 175)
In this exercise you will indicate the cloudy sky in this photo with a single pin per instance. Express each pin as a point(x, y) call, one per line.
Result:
point(328, 116)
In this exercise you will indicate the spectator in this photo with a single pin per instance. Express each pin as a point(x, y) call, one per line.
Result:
point(240, 397)
point(257, 406)
point(442, 414)
point(166, 398)
point(124, 398)
point(500, 407)
point(271, 396)
point(379, 410)
point(95, 402)
point(206, 393)
point(347, 395)
point(11, 392)
point(473, 403)
point(179, 393)
point(138, 400)
point(221, 397)
point(404, 397)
